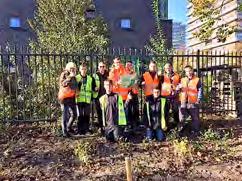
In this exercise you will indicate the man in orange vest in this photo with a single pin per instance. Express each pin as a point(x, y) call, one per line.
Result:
point(170, 80)
point(150, 79)
point(190, 97)
point(130, 96)
point(116, 71)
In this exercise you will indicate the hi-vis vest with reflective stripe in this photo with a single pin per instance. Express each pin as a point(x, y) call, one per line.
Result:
point(189, 92)
point(168, 86)
point(85, 94)
point(97, 81)
point(121, 114)
point(150, 83)
point(162, 107)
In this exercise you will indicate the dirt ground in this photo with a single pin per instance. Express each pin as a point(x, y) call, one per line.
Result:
point(37, 152)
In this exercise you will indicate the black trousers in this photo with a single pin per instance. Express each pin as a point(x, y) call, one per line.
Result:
point(172, 104)
point(83, 113)
point(99, 113)
point(132, 111)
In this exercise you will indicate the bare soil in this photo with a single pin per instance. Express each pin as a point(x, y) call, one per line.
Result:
point(36, 152)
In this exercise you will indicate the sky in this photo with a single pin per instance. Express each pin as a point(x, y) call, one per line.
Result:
point(177, 10)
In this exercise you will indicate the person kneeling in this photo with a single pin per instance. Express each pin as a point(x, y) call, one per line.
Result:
point(114, 118)
point(154, 117)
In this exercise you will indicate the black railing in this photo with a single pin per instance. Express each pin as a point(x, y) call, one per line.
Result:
point(29, 80)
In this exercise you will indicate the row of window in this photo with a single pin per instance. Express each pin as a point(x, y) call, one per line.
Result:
point(15, 22)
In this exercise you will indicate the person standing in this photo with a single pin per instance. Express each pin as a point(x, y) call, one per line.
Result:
point(150, 79)
point(114, 118)
point(100, 76)
point(116, 71)
point(190, 98)
point(66, 96)
point(130, 96)
point(86, 87)
point(169, 82)
point(154, 116)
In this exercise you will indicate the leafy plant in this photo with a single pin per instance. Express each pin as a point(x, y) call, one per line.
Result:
point(84, 151)
point(182, 148)
point(157, 43)
point(208, 14)
point(63, 26)
point(210, 135)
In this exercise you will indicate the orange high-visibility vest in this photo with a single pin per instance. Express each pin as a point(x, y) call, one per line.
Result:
point(114, 75)
point(189, 91)
point(168, 85)
point(123, 92)
point(150, 83)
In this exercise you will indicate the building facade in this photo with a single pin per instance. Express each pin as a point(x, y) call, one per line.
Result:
point(229, 16)
point(14, 15)
point(179, 36)
point(131, 23)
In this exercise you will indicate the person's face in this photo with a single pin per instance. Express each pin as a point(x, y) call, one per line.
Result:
point(189, 72)
point(152, 67)
point(101, 67)
point(83, 70)
point(72, 71)
point(116, 62)
point(168, 68)
point(156, 93)
point(129, 65)
point(108, 87)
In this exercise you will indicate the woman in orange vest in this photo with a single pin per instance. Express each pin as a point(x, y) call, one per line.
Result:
point(66, 96)
point(190, 97)
point(169, 82)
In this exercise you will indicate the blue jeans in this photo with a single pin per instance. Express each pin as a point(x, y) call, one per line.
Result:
point(68, 117)
point(158, 134)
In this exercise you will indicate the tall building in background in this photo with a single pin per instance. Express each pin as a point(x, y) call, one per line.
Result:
point(164, 9)
point(130, 23)
point(229, 16)
point(179, 36)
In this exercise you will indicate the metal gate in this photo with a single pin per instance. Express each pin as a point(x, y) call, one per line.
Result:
point(29, 80)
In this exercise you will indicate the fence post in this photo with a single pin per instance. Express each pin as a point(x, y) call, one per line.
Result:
point(198, 63)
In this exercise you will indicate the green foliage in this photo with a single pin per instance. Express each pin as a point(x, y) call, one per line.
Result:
point(157, 42)
point(208, 14)
point(210, 135)
point(84, 151)
point(182, 148)
point(207, 82)
point(62, 26)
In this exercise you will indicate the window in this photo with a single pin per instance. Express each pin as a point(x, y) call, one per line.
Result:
point(14, 22)
point(125, 24)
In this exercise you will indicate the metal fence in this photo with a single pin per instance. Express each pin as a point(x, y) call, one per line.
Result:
point(29, 80)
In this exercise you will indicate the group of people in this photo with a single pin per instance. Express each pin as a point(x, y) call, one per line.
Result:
point(115, 94)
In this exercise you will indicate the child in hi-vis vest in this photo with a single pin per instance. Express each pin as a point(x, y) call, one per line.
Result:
point(154, 117)
point(113, 113)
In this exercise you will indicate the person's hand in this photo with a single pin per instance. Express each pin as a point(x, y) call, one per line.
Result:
point(159, 73)
point(178, 87)
point(143, 83)
point(129, 97)
point(198, 101)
